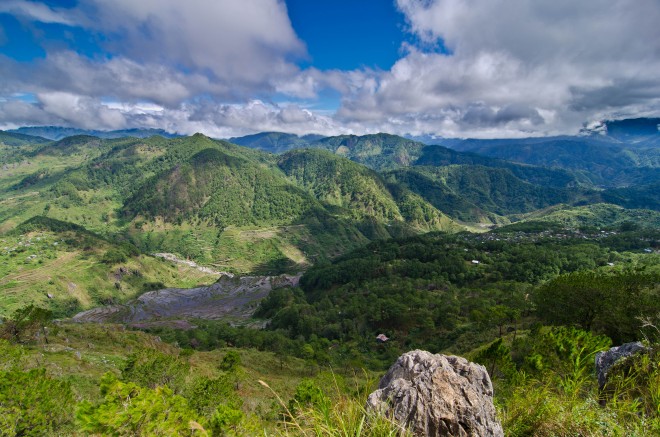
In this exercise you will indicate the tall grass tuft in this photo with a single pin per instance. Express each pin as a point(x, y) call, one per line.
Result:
point(572, 405)
point(340, 414)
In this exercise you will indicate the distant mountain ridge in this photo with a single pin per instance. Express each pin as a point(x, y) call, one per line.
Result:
point(380, 151)
point(604, 163)
point(17, 139)
point(561, 169)
point(613, 154)
point(275, 142)
point(57, 132)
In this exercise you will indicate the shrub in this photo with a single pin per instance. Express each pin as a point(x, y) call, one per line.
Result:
point(33, 404)
point(151, 368)
point(128, 409)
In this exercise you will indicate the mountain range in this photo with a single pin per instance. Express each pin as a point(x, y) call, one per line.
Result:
point(611, 154)
point(58, 132)
point(246, 209)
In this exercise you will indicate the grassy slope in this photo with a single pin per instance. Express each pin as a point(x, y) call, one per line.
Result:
point(74, 268)
point(82, 353)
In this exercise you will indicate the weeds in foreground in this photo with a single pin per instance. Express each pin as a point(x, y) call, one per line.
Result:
point(628, 406)
point(313, 412)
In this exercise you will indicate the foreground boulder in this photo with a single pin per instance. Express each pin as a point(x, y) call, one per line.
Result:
point(437, 395)
point(605, 360)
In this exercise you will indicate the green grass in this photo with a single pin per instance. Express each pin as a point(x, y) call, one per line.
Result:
point(562, 400)
point(69, 266)
point(83, 353)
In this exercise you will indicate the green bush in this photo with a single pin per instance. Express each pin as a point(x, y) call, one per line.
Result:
point(128, 409)
point(26, 324)
point(225, 418)
point(308, 394)
point(33, 404)
point(230, 361)
point(114, 256)
point(151, 368)
point(205, 394)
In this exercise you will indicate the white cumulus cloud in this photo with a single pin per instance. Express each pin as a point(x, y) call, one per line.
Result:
point(517, 68)
point(482, 68)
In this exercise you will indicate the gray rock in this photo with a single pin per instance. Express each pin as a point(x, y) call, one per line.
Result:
point(437, 395)
point(605, 360)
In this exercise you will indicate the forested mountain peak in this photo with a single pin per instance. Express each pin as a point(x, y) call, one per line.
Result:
point(275, 142)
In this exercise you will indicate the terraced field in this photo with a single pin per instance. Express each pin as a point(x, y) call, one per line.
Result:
point(52, 270)
point(232, 299)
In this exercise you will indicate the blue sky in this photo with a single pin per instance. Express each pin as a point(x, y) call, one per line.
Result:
point(453, 68)
point(349, 34)
point(339, 34)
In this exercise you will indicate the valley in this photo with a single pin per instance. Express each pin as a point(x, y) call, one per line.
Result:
point(187, 269)
point(114, 202)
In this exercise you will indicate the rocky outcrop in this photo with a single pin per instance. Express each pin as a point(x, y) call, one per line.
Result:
point(230, 298)
point(605, 360)
point(437, 395)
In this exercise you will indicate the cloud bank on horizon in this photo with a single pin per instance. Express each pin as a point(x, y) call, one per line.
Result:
point(477, 68)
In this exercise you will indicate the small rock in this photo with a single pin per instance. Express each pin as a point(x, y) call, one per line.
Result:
point(605, 360)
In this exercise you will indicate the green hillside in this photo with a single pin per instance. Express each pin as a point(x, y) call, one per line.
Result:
point(223, 189)
point(603, 163)
point(593, 216)
point(640, 197)
point(16, 139)
point(378, 151)
point(244, 210)
point(209, 200)
point(474, 193)
point(340, 182)
point(275, 142)
point(65, 268)
point(360, 192)
point(439, 156)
